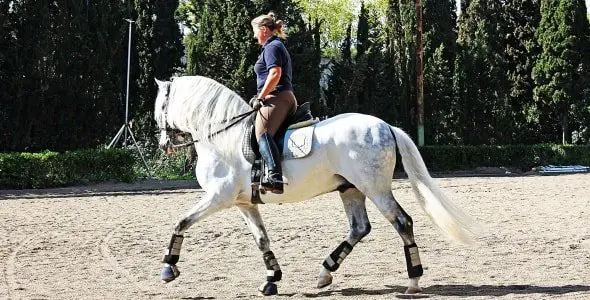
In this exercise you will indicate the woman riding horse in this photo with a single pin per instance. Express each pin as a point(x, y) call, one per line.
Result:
point(275, 92)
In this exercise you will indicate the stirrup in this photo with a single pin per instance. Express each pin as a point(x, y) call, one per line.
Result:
point(275, 188)
point(273, 185)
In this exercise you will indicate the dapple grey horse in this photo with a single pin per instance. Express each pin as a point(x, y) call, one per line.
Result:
point(354, 154)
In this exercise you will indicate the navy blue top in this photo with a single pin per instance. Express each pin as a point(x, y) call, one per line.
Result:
point(274, 54)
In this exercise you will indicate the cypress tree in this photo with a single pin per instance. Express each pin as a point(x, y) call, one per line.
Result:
point(401, 48)
point(561, 73)
point(62, 74)
point(221, 44)
point(522, 19)
point(157, 51)
point(441, 108)
point(377, 92)
point(440, 35)
point(480, 82)
point(6, 47)
point(341, 73)
point(143, 56)
point(362, 32)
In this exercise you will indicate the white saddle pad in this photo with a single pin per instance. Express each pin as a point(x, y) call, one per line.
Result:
point(298, 142)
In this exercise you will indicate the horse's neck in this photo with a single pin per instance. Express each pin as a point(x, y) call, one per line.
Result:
point(226, 145)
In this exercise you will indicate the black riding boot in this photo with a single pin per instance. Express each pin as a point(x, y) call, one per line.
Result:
point(270, 154)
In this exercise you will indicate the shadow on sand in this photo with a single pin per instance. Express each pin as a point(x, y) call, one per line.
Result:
point(456, 290)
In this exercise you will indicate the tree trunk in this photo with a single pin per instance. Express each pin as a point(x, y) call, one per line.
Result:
point(564, 129)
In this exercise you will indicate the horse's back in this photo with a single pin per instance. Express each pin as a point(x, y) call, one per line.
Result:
point(361, 148)
point(354, 128)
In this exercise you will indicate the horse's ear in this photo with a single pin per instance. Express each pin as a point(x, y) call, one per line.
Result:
point(158, 82)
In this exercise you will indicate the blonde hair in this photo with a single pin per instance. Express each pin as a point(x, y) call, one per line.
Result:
point(270, 20)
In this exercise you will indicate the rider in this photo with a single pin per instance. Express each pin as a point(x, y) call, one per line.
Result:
point(275, 92)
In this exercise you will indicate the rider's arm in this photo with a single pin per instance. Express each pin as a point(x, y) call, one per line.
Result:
point(274, 76)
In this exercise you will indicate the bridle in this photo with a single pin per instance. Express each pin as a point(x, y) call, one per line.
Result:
point(171, 132)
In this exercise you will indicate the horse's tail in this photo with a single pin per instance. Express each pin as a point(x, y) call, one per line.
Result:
point(441, 210)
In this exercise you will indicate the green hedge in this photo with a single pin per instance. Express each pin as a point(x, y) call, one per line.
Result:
point(52, 169)
point(521, 157)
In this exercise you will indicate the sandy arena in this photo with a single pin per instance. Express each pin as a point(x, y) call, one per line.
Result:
point(106, 242)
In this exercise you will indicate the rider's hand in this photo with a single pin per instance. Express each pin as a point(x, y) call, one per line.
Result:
point(255, 103)
point(252, 100)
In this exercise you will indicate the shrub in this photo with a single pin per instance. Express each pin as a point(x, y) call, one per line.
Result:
point(53, 169)
point(521, 157)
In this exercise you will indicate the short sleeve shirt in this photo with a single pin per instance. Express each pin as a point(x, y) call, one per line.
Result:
point(274, 54)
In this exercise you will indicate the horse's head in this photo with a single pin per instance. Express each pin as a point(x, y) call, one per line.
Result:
point(161, 115)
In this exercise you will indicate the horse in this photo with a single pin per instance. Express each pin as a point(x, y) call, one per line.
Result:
point(352, 153)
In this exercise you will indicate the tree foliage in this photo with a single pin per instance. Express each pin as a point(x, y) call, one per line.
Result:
point(521, 50)
point(480, 81)
point(61, 83)
point(221, 44)
point(503, 72)
point(561, 72)
point(440, 38)
point(63, 70)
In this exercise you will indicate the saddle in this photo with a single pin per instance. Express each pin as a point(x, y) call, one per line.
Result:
point(294, 140)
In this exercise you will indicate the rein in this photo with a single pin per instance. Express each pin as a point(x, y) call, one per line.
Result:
point(237, 119)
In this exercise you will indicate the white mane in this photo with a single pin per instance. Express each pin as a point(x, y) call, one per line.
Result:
point(200, 106)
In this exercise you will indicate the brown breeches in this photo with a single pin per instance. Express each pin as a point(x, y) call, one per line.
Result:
point(276, 108)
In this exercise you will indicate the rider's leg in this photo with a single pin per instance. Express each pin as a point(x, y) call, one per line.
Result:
point(275, 110)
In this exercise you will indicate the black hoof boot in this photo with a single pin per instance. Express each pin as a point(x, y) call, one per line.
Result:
point(268, 289)
point(169, 273)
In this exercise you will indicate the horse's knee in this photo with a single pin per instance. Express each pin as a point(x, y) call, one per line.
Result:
point(263, 243)
point(360, 230)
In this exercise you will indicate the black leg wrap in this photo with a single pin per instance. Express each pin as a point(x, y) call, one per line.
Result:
point(173, 252)
point(171, 259)
point(273, 270)
point(332, 262)
point(413, 261)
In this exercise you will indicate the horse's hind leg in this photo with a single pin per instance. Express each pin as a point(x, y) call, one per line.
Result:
point(208, 205)
point(402, 222)
point(354, 206)
point(253, 219)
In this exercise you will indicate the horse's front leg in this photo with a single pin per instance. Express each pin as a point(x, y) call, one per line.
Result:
point(253, 219)
point(209, 204)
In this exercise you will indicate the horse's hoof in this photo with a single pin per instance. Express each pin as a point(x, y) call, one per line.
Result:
point(169, 273)
point(324, 281)
point(413, 290)
point(268, 289)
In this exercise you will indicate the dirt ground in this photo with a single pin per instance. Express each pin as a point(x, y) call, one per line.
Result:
point(107, 242)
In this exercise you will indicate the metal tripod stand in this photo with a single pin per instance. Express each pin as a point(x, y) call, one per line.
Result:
point(126, 128)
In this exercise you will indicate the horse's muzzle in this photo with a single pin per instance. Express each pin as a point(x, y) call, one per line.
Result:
point(167, 147)
point(165, 144)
